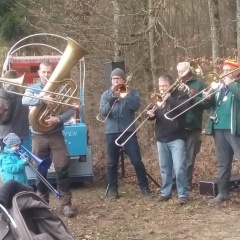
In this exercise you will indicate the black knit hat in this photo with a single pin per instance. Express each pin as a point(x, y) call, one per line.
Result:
point(119, 73)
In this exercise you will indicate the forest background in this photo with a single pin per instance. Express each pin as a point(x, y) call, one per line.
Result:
point(150, 36)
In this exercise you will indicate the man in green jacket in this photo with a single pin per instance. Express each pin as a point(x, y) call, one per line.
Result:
point(193, 118)
point(224, 125)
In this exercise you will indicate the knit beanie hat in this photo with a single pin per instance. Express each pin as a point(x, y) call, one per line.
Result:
point(119, 73)
point(232, 63)
point(11, 140)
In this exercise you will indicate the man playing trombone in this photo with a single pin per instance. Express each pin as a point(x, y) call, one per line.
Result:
point(120, 114)
point(170, 139)
point(193, 117)
point(224, 124)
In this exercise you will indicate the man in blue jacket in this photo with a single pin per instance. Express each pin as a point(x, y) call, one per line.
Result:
point(122, 113)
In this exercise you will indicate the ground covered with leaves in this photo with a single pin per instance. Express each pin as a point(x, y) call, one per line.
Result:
point(137, 218)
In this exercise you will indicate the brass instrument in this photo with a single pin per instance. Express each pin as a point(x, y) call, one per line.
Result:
point(157, 100)
point(18, 82)
point(195, 69)
point(216, 78)
point(216, 85)
point(57, 84)
point(43, 166)
point(120, 91)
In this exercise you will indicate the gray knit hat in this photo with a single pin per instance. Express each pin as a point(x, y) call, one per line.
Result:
point(118, 72)
point(11, 140)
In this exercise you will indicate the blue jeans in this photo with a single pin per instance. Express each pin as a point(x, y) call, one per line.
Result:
point(172, 156)
point(132, 150)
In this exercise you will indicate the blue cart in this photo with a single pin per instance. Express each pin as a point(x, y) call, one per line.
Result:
point(81, 168)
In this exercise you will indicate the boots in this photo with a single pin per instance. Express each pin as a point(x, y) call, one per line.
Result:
point(223, 191)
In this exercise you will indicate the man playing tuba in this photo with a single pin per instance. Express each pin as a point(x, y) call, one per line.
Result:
point(52, 142)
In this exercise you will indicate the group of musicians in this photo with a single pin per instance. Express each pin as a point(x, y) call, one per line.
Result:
point(178, 138)
point(44, 143)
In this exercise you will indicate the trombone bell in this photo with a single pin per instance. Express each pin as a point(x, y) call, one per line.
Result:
point(13, 81)
point(213, 77)
point(121, 90)
point(156, 100)
point(196, 69)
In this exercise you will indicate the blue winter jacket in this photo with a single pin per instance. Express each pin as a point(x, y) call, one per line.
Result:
point(12, 166)
point(122, 114)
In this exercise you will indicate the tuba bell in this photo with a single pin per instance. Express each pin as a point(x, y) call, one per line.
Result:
point(57, 84)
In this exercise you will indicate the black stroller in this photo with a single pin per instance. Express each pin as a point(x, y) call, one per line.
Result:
point(26, 216)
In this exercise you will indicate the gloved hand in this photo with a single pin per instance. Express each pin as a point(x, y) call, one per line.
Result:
point(112, 100)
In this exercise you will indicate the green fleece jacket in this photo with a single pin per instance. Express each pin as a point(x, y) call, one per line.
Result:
point(195, 114)
point(234, 87)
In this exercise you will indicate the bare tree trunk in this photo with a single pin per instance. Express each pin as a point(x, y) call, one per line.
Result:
point(117, 26)
point(238, 28)
point(233, 30)
point(216, 33)
point(152, 43)
point(151, 39)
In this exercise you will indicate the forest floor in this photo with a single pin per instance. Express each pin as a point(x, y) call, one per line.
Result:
point(135, 217)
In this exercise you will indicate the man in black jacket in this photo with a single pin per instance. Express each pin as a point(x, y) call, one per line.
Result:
point(170, 140)
point(17, 118)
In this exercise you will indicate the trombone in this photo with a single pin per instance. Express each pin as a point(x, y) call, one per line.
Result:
point(18, 83)
point(43, 167)
point(121, 91)
point(215, 85)
point(157, 100)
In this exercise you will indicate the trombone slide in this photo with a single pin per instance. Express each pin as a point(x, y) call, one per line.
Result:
point(40, 176)
point(171, 119)
point(122, 144)
point(105, 119)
